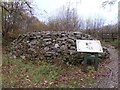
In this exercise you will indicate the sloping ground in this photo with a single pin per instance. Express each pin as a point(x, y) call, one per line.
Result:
point(17, 73)
point(111, 80)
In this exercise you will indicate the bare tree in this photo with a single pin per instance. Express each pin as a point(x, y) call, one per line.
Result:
point(108, 2)
point(66, 20)
point(13, 15)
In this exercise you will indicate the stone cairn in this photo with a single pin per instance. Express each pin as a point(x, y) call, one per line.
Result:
point(48, 46)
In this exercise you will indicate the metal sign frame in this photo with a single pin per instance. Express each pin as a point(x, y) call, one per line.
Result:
point(89, 46)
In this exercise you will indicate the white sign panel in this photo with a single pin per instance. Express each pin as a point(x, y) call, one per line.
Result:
point(89, 46)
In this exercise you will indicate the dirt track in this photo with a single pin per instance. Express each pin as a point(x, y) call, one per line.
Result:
point(113, 66)
point(110, 81)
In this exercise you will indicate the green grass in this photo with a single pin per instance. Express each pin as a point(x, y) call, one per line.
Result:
point(18, 73)
point(35, 74)
point(115, 43)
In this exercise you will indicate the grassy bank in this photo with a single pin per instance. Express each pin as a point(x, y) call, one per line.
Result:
point(19, 73)
point(115, 43)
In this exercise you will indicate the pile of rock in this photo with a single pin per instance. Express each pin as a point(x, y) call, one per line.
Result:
point(49, 45)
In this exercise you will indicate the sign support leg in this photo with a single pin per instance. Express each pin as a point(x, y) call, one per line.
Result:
point(96, 61)
point(85, 61)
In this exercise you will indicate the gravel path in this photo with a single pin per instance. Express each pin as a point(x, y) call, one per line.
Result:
point(113, 65)
point(110, 81)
